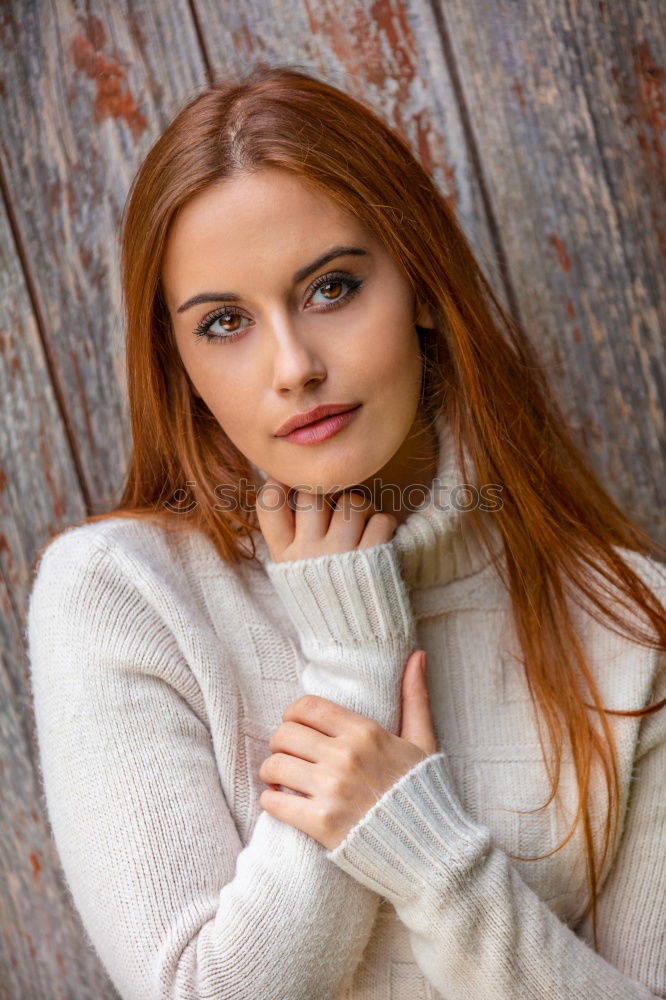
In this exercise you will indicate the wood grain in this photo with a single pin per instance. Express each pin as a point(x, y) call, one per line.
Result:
point(39, 492)
point(83, 97)
point(567, 106)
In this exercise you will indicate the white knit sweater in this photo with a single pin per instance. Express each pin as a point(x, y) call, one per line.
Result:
point(159, 674)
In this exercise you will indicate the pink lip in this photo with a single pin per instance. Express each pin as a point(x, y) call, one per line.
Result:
point(301, 419)
point(322, 429)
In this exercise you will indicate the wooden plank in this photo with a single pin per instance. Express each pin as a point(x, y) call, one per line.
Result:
point(82, 98)
point(39, 487)
point(39, 491)
point(566, 102)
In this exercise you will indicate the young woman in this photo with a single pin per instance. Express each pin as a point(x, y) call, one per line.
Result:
point(253, 789)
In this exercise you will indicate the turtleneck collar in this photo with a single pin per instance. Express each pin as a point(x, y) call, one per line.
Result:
point(436, 543)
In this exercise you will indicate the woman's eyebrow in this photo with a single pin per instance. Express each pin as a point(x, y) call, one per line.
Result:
point(303, 272)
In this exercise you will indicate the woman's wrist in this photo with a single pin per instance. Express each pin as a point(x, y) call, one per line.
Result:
point(350, 598)
point(416, 840)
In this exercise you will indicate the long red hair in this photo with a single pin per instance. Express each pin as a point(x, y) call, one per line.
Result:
point(561, 530)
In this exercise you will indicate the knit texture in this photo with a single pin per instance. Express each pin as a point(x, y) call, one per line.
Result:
point(158, 675)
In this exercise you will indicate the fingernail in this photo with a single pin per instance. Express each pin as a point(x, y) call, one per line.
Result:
point(423, 661)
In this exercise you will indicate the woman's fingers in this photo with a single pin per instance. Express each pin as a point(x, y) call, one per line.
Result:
point(348, 521)
point(326, 716)
point(302, 524)
point(292, 772)
point(275, 516)
point(312, 513)
point(299, 740)
point(380, 528)
point(298, 811)
point(417, 724)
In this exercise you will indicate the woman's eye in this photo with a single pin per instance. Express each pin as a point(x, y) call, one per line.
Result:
point(229, 330)
point(230, 321)
point(225, 323)
point(332, 287)
point(326, 289)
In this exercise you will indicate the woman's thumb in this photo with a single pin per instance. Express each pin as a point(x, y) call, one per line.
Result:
point(417, 725)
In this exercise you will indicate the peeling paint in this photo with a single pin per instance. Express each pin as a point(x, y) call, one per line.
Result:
point(36, 866)
point(422, 144)
point(562, 256)
point(651, 110)
point(376, 48)
point(661, 236)
point(517, 88)
point(54, 194)
point(647, 105)
point(32, 951)
point(113, 99)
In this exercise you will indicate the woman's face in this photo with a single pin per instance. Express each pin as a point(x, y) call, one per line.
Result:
point(289, 331)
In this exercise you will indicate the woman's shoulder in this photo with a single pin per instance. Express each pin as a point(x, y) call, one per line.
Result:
point(84, 552)
point(131, 542)
point(116, 558)
point(126, 578)
point(113, 532)
point(632, 675)
point(111, 608)
point(651, 571)
point(608, 585)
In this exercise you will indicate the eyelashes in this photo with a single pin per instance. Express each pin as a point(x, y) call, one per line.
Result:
point(203, 328)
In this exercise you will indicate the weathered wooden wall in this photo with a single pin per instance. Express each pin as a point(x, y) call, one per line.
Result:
point(544, 126)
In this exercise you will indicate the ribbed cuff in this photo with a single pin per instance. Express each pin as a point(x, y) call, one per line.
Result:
point(347, 597)
point(415, 840)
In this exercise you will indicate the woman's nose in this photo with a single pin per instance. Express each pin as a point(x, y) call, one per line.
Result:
point(296, 360)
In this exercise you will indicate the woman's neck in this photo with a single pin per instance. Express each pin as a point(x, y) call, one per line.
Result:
point(404, 482)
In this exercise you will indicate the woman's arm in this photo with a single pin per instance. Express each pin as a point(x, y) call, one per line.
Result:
point(477, 929)
point(173, 902)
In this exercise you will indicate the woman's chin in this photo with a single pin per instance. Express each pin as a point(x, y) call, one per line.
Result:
point(337, 477)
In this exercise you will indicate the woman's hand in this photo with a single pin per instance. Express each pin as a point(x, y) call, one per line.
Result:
point(341, 762)
point(316, 527)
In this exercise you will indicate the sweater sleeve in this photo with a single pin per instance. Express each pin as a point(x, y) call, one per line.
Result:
point(172, 901)
point(355, 626)
point(477, 929)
